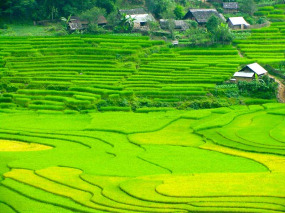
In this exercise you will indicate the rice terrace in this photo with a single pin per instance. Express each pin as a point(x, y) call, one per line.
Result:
point(142, 106)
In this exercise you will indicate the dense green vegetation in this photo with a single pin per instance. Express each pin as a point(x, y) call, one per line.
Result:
point(87, 165)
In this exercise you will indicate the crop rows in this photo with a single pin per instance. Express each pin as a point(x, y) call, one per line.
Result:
point(266, 45)
point(68, 72)
point(80, 72)
point(275, 12)
point(214, 160)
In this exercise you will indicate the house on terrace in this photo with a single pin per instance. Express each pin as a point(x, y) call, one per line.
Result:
point(230, 7)
point(140, 16)
point(237, 23)
point(201, 16)
point(178, 24)
point(102, 21)
point(75, 23)
point(248, 72)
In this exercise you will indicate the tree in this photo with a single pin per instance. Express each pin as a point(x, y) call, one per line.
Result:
point(108, 5)
point(161, 7)
point(92, 14)
point(212, 24)
point(223, 34)
point(126, 24)
point(248, 6)
point(178, 11)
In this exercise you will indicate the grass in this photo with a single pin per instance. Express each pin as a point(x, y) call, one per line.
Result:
point(25, 30)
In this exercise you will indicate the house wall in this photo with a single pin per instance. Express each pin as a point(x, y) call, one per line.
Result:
point(230, 10)
point(235, 27)
point(243, 79)
point(189, 16)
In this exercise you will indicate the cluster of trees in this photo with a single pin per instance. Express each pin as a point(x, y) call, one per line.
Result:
point(259, 88)
point(50, 9)
point(215, 32)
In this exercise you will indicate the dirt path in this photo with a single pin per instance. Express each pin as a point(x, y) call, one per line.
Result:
point(281, 90)
point(240, 54)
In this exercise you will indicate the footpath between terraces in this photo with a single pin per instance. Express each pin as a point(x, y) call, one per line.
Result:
point(281, 90)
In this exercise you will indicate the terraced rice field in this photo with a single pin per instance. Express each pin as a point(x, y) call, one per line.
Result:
point(215, 160)
point(266, 45)
point(273, 13)
point(77, 73)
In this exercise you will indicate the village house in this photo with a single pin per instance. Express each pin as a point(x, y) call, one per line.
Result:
point(102, 21)
point(201, 16)
point(178, 24)
point(140, 16)
point(75, 23)
point(237, 23)
point(230, 7)
point(248, 73)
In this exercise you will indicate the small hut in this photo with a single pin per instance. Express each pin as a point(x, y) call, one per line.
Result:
point(230, 7)
point(248, 72)
point(102, 21)
point(237, 23)
point(201, 16)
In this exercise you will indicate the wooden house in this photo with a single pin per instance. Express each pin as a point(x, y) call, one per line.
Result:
point(230, 7)
point(75, 23)
point(237, 23)
point(248, 72)
point(201, 16)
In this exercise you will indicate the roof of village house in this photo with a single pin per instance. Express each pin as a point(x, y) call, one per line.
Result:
point(102, 20)
point(133, 11)
point(141, 17)
point(178, 24)
point(230, 5)
point(202, 15)
point(255, 68)
point(244, 74)
point(238, 21)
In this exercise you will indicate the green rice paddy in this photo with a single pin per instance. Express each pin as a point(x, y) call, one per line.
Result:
point(216, 160)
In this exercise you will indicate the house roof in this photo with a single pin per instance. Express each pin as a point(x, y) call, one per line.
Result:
point(179, 24)
point(238, 21)
point(133, 11)
point(202, 15)
point(102, 20)
point(255, 67)
point(244, 74)
point(141, 17)
point(230, 5)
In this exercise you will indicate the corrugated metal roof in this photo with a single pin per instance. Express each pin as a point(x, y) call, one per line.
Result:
point(230, 5)
point(133, 11)
point(244, 74)
point(255, 67)
point(238, 21)
point(141, 17)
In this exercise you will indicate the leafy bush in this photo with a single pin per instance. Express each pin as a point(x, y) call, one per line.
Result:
point(261, 88)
